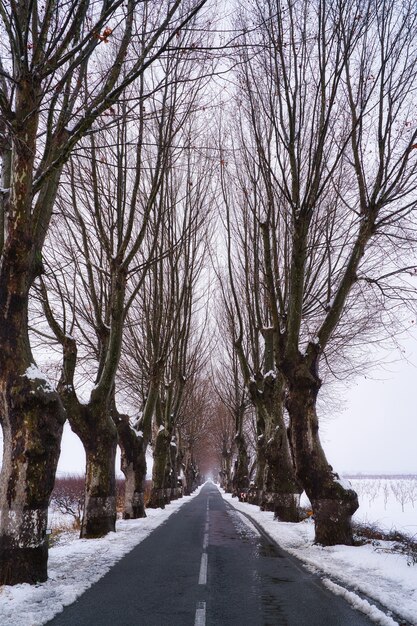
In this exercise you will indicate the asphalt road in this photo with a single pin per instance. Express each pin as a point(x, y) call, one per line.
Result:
point(206, 566)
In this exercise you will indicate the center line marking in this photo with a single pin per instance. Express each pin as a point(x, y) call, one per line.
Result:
point(202, 579)
point(205, 541)
point(200, 614)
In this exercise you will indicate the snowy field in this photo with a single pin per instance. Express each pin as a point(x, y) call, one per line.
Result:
point(370, 577)
point(386, 580)
point(390, 503)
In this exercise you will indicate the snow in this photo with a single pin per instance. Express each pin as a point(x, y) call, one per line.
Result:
point(388, 503)
point(76, 565)
point(346, 484)
point(384, 578)
point(161, 428)
point(34, 373)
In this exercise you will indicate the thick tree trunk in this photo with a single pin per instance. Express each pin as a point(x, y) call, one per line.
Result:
point(255, 491)
point(333, 502)
point(133, 466)
point(31, 413)
point(280, 490)
point(32, 420)
point(160, 457)
point(100, 482)
point(95, 427)
point(189, 473)
point(241, 470)
point(226, 471)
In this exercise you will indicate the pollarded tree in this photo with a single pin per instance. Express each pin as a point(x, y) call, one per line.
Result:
point(222, 435)
point(252, 336)
point(327, 96)
point(49, 53)
point(114, 207)
point(229, 386)
point(181, 270)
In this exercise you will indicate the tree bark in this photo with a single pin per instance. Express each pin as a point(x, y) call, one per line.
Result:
point(100, 482)
point(280, 489)
point(95, 427)
point(160, 456)
point(255, 491)
point(226, 471)
point(32, 418)
point(241, 471)
point(333, 504)
point(32, 421)
point(133, 466)
point(31, 415)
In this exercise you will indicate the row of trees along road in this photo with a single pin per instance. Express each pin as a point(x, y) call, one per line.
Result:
point(319, 183)
point(88, 172)
point(109, 178)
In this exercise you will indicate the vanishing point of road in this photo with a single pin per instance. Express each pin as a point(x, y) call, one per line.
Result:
point(207, 566)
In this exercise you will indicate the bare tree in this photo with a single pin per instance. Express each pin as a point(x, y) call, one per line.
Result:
point(120, 192)
point(325, 98)
point(222, 429)
point(48, 53)
point(252, 336)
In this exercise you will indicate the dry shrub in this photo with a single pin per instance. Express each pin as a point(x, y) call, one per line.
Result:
point(401, 544)
point(68, 496)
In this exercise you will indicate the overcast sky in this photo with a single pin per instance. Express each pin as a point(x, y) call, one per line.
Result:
point(377, 430)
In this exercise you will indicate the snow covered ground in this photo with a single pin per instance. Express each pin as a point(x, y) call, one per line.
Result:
point(74, 566)
point(388, 503)
point(388, 583)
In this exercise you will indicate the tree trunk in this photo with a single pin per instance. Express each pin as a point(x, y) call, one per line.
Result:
point(32, 420)
point(133, 466)
point(226, 472)
point(241, 471)
point(189, 472)
point(333, 503)
point(100, 482)
point(281, 493)
point(176, 491)
point(281, 489)
point(255, 491)
point(95, 427)
point(31, 414)
point(160, 456)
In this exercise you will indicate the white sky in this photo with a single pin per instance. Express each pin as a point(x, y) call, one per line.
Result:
point(376, 432)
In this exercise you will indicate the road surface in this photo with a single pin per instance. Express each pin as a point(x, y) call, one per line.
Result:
point(206, 566)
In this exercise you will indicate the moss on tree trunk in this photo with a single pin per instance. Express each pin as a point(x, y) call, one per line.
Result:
point(93, 424)
point(160, 456)
point(32, 420)
point(133, 466)
point(333, 504)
